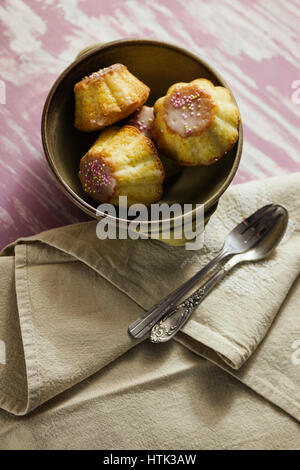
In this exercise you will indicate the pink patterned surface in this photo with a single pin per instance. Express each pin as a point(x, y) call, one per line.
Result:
point(253, 44)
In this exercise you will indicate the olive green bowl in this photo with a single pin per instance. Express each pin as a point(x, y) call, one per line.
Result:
point(159, 65)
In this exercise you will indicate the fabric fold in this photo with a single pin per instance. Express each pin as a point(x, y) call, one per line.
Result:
point(76, 296)
point(69, 324)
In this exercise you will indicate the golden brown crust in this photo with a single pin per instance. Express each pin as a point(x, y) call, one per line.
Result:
point(100, 74)
point(208, 146)
point(133, 163)
point(107, 96)
point(133, 130)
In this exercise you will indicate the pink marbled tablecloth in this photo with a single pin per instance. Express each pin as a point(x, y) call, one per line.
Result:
point(253, 44)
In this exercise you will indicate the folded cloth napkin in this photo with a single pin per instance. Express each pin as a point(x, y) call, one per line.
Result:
point(67, 299)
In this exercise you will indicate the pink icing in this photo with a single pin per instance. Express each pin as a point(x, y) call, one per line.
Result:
point(96, 178)
point(142, 120)
point(188, 110)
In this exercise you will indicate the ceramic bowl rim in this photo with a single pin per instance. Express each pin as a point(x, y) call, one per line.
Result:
point(81, 203)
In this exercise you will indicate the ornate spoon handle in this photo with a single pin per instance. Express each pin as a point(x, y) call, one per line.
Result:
point(142, 325)
point(176, 317)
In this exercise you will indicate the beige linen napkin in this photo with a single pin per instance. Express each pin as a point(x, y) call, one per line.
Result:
point(67, 299)
point(154, 398)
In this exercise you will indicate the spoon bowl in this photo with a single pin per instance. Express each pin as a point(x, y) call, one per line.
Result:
point(266, 244)
point(269, 234)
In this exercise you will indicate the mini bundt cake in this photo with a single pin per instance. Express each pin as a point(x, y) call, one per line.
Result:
point(122, 162)
point(195, 123)
point(142, 119)
point(107, 96)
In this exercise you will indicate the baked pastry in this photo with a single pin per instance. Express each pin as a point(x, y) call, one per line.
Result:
point(142, 119)
point(195, 123)
point(107, 96)
point(122, 162)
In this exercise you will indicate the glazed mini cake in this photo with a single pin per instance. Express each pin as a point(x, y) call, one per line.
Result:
point(142, 119)
point(122, 162)
point(196, 123)
point(107, 96)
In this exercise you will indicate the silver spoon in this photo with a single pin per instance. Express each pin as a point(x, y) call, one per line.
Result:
point(239, 240)
point(271, 235)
